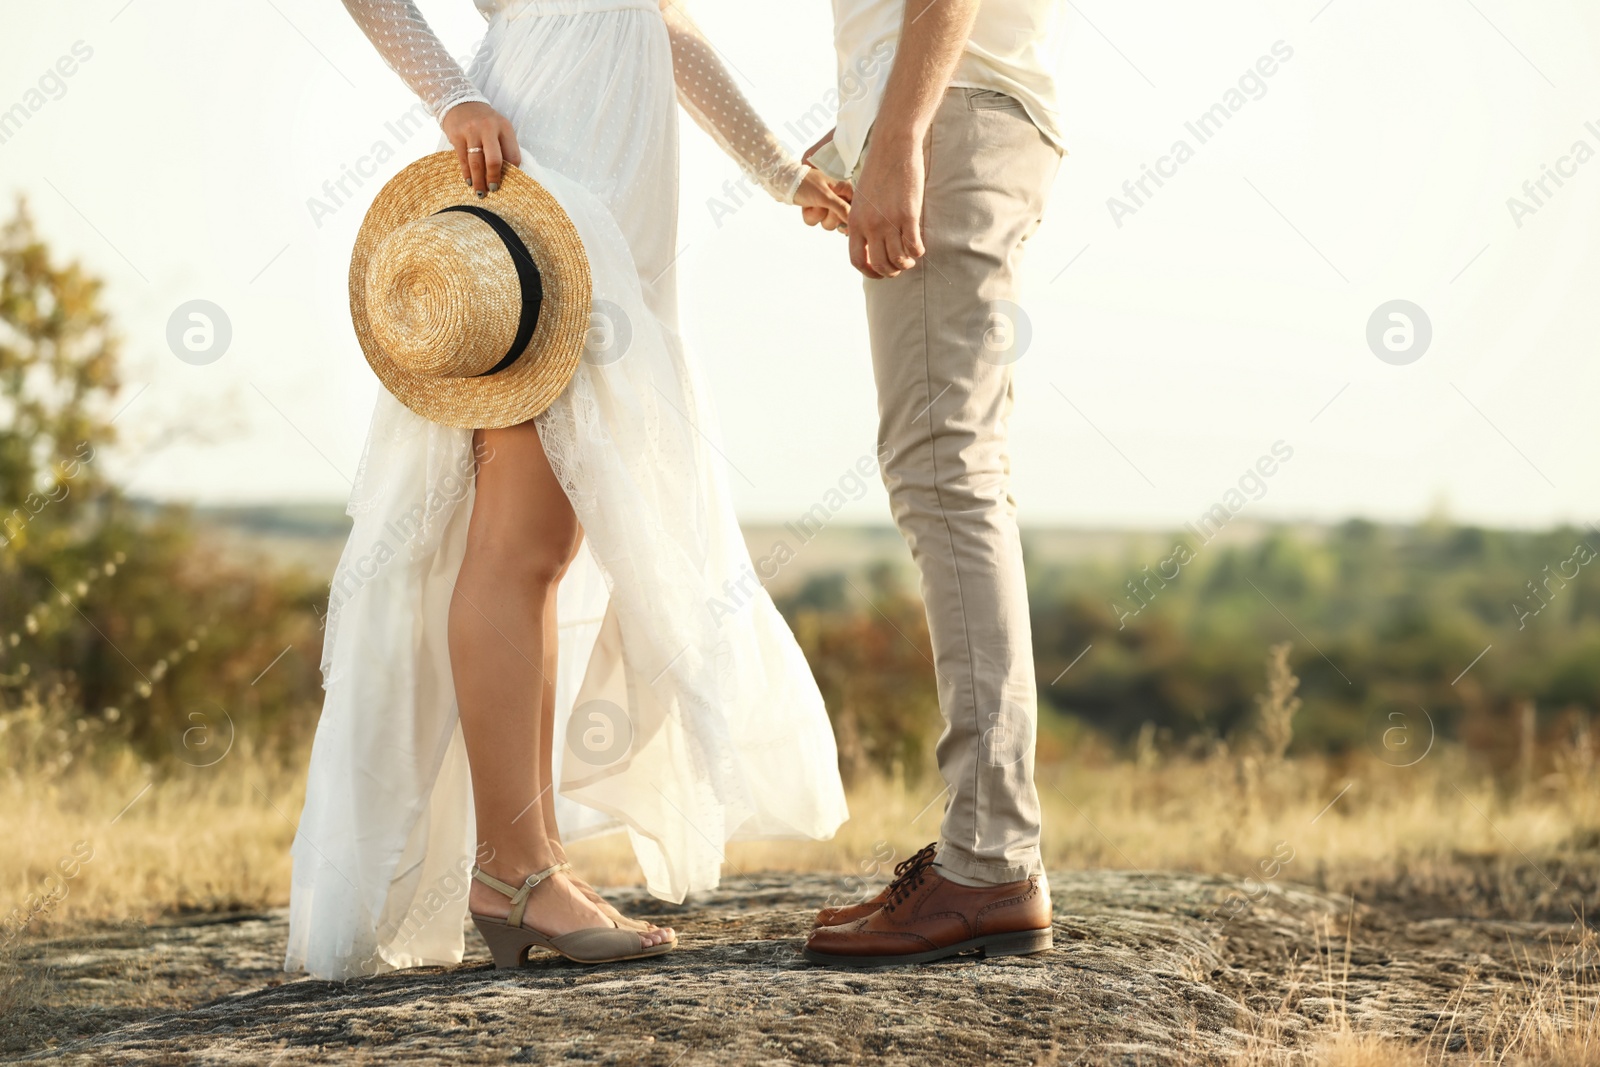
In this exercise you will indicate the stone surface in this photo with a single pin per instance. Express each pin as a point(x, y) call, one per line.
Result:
point(1145, 971)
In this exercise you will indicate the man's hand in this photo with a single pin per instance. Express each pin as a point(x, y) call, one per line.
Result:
point(886, 211)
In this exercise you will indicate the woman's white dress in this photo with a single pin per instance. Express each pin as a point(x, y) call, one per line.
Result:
point(694, 726)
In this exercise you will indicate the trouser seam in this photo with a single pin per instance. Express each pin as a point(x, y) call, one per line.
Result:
point(949, 533)
point(944, 519)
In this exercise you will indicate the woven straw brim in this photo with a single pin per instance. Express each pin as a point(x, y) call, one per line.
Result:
point(532, 383)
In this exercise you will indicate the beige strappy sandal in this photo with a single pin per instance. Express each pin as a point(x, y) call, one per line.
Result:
point(627, 922)
point(509, 940)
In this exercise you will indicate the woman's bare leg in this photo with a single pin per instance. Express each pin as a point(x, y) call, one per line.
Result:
point(547, 729)
point(547, 723)
point(520, 539)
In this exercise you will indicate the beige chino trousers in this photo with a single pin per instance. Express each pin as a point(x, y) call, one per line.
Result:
point(944, 337)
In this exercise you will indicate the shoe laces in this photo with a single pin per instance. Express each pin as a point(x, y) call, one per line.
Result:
point(908, 875)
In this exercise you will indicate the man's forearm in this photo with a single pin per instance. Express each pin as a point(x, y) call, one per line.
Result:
point(886, 212)
point(932, 37)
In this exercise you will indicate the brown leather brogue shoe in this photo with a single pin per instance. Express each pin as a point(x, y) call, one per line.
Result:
point(849, 913)
point(927, 917)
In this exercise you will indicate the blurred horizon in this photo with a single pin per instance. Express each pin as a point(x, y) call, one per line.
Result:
point(1171, 344)
point(1437, 512)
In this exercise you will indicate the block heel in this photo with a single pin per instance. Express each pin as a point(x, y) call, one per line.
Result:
point(508, 945)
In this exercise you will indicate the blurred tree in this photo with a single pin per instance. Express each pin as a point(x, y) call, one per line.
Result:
point(873, 661)
point(1379, 618)
point(102, 598)
point(58, 373)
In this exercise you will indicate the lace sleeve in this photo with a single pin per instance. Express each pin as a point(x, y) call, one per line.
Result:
point(707, 92)
point(405, 41)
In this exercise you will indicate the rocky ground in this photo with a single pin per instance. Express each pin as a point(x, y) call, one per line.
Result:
point(1146, 970)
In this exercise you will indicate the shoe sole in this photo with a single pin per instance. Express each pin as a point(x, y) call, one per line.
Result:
point(509, 946)
point(1024, 943)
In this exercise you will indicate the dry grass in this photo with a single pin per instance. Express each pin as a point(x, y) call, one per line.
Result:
point(116, 841)
point(119, 840)
point(217, 838)
point(1550, 1019)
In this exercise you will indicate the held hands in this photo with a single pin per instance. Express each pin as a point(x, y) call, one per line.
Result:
point(823, 202)
point(828, 215)
point(484, 140)
point(884, 219)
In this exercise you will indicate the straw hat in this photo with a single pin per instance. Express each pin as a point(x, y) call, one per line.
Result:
point(471, 312)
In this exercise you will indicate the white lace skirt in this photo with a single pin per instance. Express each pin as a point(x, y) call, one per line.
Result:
point(694, 725)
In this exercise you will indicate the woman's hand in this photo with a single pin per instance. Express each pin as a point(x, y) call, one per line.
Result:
point(483, 140)
point(823, 202)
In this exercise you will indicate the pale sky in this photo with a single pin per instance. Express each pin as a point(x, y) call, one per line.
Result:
point(1172, 345)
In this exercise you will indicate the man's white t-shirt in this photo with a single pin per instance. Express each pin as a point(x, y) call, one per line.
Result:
point(1013, 49)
